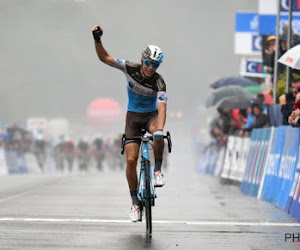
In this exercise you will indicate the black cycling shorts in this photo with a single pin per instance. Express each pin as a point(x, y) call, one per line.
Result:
point(135, 122)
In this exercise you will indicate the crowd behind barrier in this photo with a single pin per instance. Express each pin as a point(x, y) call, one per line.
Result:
point(22, 152)
point(265, 166)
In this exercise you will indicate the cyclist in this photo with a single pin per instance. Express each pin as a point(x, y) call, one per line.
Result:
point(98, 151)
point(147, 104)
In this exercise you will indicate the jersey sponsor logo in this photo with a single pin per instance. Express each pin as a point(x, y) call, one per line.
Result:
point(131, 85)
point(141, 90)
point(162, 97)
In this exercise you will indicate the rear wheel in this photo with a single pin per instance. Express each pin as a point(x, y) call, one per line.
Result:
point(148, 199)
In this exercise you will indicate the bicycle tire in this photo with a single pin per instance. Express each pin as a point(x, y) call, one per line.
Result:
point(148, 199)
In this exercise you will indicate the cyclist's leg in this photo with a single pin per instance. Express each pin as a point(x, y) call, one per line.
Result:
point(132, 128)
point(158, 146)
point(132, 153)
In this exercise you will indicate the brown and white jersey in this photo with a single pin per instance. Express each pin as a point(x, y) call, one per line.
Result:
point(143, 93)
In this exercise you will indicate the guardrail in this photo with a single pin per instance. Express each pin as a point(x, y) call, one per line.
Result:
point(267, 165)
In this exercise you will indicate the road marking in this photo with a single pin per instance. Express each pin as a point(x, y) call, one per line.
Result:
point(197, 223)
point(36, 187)
point(16, 195)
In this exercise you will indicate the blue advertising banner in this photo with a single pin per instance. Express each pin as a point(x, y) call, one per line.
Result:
point(272, 165)
point(251, 161)
point(246, 38)
point(246, 22)
point(270, 6)
point(260, 164)
point(253, 66)
point(15, 162)
point(296, 213)
point(293, 203)
point(212, 161)
point(256, 43)
point(267, 24)
point(284, 6)
point(290, 205)
point(288, 165)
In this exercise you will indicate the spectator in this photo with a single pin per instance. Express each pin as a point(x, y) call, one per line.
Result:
point(261, 98)
point(295, 86)
point(238, 121)
point(260, 119)
point(295, 37)
point(294, 118)
point(297, 101)
point(271, 42)
point(223, 122)
point(287, 106)
point(281, 51)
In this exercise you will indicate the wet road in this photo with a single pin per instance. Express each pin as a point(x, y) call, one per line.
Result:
point(90, 211)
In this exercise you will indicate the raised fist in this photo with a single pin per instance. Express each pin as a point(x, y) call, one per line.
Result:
point(97, 33)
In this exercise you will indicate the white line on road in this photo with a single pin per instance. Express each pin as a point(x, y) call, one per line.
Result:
point(197, 223)
point(16, 195)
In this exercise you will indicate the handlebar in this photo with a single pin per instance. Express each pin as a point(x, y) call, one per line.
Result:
point(145, 138)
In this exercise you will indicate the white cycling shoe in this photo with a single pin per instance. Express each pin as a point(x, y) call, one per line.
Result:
point(159, 179)
point(135, 213)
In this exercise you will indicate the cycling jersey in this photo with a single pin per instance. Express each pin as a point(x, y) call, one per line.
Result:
point(143, 93)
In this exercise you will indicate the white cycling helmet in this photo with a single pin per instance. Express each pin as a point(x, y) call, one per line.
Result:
point(153, 53)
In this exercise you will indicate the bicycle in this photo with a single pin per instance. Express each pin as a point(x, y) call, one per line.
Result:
point(145, 189)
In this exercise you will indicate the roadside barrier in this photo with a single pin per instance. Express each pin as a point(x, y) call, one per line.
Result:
point(3, 165)
point(15, 162)
point(267, 165)
point(293, 203)
point(212, 160)
point(220, 161)
point(259, 145)
point(235, 158)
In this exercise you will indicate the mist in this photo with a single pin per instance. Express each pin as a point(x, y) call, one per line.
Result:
point(49, 66)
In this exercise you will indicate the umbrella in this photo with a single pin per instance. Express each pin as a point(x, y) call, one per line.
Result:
point(291, 58)
point(240, 81)
point(224, 92)
point(254, 89)
point(236, 102)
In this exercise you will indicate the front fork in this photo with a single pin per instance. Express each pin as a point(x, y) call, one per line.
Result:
point(141, 189)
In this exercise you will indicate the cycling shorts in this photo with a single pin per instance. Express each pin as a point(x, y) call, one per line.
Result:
point(135, 122)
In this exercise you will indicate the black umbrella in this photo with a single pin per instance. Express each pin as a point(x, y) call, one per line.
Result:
point(240, 81)
point(236, 102)
point(225, 92)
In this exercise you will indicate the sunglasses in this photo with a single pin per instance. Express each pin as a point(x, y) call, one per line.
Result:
point(150, 63)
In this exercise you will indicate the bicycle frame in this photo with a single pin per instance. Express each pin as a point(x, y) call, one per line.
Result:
point(145, 162)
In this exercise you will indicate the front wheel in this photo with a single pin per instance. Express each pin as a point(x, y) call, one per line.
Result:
point(148, 200)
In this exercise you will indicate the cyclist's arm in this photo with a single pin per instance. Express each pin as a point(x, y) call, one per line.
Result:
point(162, 114)
point(103, 55)
point(161, 103)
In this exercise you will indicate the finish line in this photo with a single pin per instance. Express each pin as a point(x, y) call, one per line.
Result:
point(196, 223)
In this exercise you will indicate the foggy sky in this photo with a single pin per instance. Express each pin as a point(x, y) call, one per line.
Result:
point(49, 66)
